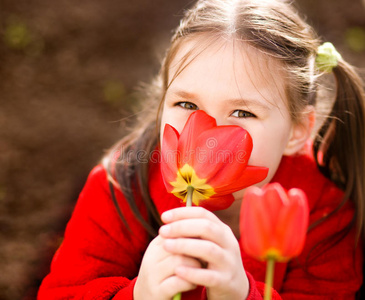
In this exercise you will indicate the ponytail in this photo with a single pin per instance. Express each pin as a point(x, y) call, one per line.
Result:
point(341, 140)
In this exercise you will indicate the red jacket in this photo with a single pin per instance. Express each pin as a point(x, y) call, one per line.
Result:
point(100, 258)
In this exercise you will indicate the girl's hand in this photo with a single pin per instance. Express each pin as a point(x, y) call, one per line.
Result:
point(156, 278)
point(195, 232)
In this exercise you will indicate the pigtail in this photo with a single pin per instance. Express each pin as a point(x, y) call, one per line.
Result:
point(127, 163)
point(339, 147)
point(127, 166)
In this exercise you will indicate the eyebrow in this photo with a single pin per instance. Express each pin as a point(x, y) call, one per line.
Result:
point(183, 94)
point(248, 102)
point(235, 102)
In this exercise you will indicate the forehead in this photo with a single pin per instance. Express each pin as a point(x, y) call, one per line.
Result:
point(227, 62)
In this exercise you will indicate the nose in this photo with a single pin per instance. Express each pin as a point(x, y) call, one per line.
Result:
point(217, 115)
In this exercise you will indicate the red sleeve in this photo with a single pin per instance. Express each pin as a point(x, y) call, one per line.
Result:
point(99, 258)
point(326, 269)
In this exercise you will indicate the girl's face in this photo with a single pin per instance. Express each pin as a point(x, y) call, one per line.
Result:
point(237, 85)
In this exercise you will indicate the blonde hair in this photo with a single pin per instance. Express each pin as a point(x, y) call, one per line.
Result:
point(274, 28)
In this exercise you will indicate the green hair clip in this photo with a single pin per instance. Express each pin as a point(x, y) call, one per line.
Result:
point(327, 58)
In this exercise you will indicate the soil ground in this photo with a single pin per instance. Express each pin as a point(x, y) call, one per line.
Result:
point(68, 73)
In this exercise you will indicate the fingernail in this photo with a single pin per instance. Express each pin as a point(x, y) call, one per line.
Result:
point(166, 216)
point(165, 230)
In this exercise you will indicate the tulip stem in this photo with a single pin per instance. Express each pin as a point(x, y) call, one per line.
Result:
point(189, 197)
point(189, 202)
point(177, 297)
point(269, 277)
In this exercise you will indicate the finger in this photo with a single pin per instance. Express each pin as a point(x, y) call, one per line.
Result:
point(203, 277)
point(203, 250)
point(188, 213)
point(155, 249)
point(218, 233)
point(222, 282)
point(172, 261)
point(174, 285)
point(166, 268)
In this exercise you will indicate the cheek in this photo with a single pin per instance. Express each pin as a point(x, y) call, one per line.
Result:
point(174, 118)
point(162, 126)
point(268, 150)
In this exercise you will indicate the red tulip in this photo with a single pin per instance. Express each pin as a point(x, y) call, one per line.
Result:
point(273, 222)
point(209, 160)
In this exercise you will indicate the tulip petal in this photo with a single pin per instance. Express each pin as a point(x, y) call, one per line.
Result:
point(288, 237)
point(299, 213)
point(197, 123)
point(224, 152)
point(246, 178)
point(253, 225)
point(169, 155)
point(225, 149)
point(275, 198)
point(274, 222)
point(284, 229)
point(217, 202)
point(279, 210)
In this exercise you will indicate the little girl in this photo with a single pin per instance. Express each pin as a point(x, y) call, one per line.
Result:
point(251, 63)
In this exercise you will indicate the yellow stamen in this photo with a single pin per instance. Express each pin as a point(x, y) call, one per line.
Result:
point(186, 177)
point(275, 254)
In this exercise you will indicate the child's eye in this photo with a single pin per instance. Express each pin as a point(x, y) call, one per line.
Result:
point(188, 105)
point(242, 114)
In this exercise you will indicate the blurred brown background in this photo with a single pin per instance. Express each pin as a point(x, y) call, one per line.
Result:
point(68, 71)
